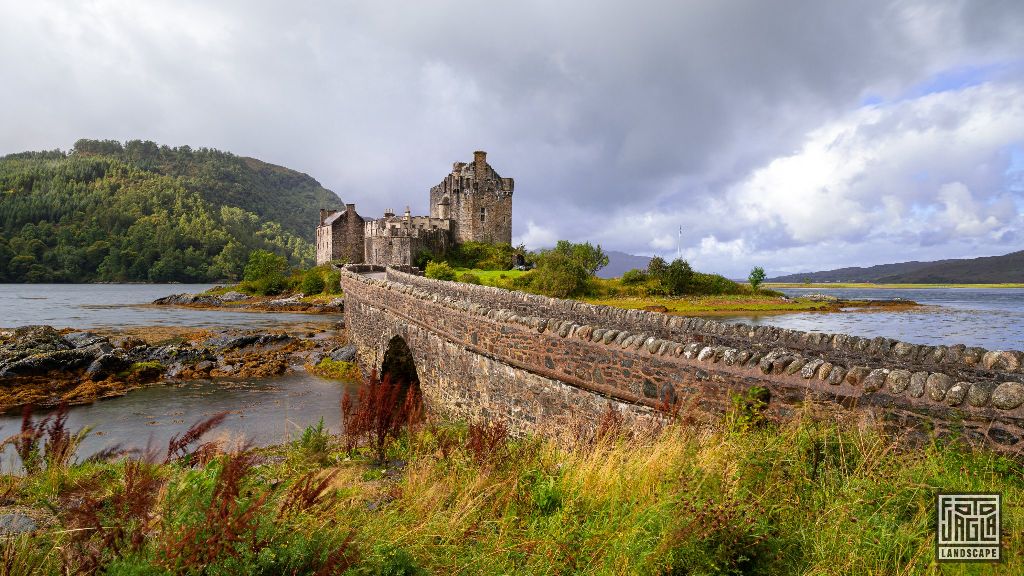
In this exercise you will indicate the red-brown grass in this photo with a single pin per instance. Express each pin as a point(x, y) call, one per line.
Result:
point(377, 417)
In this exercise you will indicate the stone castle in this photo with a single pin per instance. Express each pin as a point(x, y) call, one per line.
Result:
point(472, 204)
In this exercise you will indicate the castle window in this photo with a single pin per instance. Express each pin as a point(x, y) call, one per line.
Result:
point(483, 215)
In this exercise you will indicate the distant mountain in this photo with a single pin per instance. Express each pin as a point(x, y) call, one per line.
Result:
point(107, 211)
point(620, 262)
point(984, 270)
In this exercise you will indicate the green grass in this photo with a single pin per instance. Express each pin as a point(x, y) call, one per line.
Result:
point(826, 285)
point(737, 498)
point(500, 278)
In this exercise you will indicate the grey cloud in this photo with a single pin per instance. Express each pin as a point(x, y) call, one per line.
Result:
point(598, 109)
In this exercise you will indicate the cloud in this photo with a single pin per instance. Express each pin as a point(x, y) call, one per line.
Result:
point(619, 122)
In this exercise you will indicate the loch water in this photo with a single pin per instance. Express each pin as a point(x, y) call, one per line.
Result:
point(992, 318)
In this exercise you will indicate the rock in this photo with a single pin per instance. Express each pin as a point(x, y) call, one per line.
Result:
point(937, 385)
point(83, 339)
point(903, 350)
point(780, 364)
point(233, 297)
point(825, 370)
point(875, 379)
point(972, 355)
point(980, 393)
point(897, 381)
point(810, 368)
point(820, 298)
point(16, 523)
point(174, 353)
point(837, 375)
point(1008, 395)
point(27, 340)
point(956, 394)
point(917, 382)
point(857, 374)
point(795, 366)
point(107, 364)
point(1003, 361)
point(246, 340)
point(344, 354)
point(706, 354)
point(39, 364)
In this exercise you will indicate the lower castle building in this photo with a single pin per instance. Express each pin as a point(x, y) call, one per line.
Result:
point(471, 204)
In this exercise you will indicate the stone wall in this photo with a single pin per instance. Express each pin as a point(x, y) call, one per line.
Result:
point(339, 237)
point(479, 345)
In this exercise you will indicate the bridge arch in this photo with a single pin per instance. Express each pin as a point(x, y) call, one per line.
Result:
point(399, 367)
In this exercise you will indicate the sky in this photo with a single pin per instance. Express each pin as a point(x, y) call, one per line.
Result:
point(794, 135)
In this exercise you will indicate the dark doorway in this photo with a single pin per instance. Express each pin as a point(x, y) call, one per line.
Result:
point(399, 368)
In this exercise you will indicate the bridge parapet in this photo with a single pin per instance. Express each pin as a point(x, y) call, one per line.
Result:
point(650, 359)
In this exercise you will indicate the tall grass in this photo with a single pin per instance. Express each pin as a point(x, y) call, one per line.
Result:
point(746, 496)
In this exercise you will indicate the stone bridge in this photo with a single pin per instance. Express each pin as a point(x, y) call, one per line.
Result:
point(534, 362)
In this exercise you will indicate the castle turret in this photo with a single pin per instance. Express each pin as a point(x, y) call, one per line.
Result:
point(477, 200)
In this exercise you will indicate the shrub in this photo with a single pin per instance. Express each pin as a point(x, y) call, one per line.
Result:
point(315, 442)
point(382, 409)
point(439, 271)
point(589, 257)
point(469, 278)
point(332, 282)
point(559, 275)
point(482, 256)
point(266, 272)
point(312, 282)
point(634, 277)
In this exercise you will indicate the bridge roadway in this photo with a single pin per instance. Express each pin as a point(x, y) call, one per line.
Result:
point(537, 363)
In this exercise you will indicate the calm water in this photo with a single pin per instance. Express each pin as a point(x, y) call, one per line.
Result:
point(263, 411)
point(989, 317)
point(113, 305)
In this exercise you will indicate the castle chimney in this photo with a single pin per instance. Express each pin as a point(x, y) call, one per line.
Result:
point(323, 215)
point(480, 159)
point(408, 213)
point(350, 208)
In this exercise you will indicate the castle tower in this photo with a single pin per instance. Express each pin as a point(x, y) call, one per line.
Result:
point(477, 200)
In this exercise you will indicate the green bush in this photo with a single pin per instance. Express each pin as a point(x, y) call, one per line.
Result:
point(559, 275)
point(482, 256)
point(469, 278)
point(332, 282)
point(439, 271)
point(265, 273)
point(634, 277)
point(312, 282)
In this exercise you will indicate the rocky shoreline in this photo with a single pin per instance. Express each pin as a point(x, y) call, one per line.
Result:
point(43, 366)
point(241, 301)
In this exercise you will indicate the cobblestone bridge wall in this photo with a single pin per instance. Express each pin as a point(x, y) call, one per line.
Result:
point(531, 360)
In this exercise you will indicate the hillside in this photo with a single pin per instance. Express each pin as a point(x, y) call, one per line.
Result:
point(984, 270)
point(141, 212)
point(276, 194)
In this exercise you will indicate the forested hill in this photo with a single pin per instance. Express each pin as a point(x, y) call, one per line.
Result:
point(141, 212)
point(985, 270)
point(277, 194)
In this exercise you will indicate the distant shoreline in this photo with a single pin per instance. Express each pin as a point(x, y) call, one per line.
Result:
point(835, 285)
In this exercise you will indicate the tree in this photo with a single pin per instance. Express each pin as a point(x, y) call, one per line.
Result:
point(757, 276)
point(266, 271)
point(656, 267)
point(560, 275)
point(591, 258)
point(678, 277)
